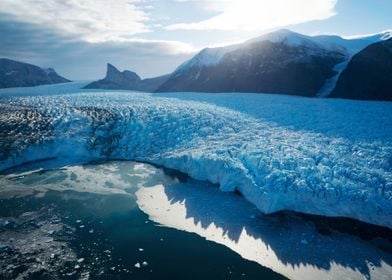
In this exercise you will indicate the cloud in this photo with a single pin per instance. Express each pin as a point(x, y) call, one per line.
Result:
point(78, 59)
point(90, 20)
point(251, 15)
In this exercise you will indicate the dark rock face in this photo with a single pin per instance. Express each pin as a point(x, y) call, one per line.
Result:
point(261, 67)
point(116, 80)
point(151, 84)
point(19, 74)
point(54, 77)
point(368, 75)
point(126, 80)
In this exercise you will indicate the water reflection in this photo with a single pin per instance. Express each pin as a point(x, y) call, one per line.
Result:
point(286, 243)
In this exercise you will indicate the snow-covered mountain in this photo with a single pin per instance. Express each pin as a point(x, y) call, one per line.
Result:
point(18, 74)
point(278, 62)
point(211, 56)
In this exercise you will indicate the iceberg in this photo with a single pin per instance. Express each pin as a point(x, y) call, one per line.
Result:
point(316, 156)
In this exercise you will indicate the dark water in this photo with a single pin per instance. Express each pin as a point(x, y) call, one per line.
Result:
point(83, 235)
point(83, 222)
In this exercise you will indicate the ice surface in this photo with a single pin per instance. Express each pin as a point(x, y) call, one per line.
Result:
point(70, 87)
point(115, 177)
point(327, 157)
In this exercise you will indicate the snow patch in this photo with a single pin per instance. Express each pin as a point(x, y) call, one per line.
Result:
point(330, 84)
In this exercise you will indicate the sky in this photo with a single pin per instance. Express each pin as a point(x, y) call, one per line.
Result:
point(152, 37)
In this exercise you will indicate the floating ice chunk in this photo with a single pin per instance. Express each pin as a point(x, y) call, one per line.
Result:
point(80, 260)
point(137, 265)
point(144, 263)
point(141, 249)
point(3, 222)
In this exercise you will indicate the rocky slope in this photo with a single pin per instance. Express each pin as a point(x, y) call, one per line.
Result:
point(261, 67)
point(129, 80)
point(368, 76)
point(278, 62)
point(18, 74)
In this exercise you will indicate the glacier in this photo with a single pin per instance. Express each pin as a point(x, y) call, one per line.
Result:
point(316, 156)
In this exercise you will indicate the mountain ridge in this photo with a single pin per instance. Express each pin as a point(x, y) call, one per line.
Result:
point(127, 80)
point(280, 62)
point(20, 74)
point(326, 55)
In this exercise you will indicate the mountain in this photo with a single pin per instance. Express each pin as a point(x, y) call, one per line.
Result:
point(368, 75)
point(278, 62)
point(126, 80)
point(18, 74)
